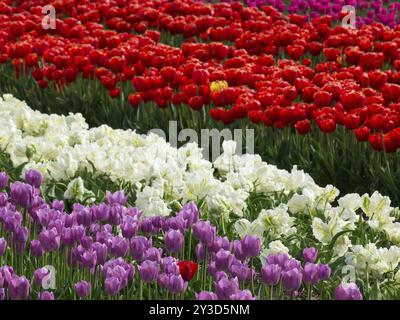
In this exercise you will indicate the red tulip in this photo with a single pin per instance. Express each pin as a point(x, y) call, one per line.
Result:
point(322, 98)
point(187, 269)
point(303, 126)
point(352, 100)
point(376, 141)
point(362, 134)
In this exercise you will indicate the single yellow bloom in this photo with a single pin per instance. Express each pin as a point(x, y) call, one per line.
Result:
point(217, 86)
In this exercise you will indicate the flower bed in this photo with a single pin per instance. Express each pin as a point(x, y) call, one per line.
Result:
point(253, 69)
point(110, 251)
point(241, 195)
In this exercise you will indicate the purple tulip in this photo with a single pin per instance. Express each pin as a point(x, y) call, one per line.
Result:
point(112, 285)
point(119, 246)
point(58, 205)
point(101, 252)
point(153, 254)
point(292, 264)
point(18, 288)
point(129, 228)
point(3, 247)
point(34, 178)
point(83, 289)
point(271, 274)
point(324, 272)
point(242, 295)
point(175, 223)
point(19, 239)
point(163, 280)
point(279, 259)
point(50, 240)
point(200, 252)
point(3, 180)
point(147, 227)
point(3, 199)
point(291, 280)
point(22, 194)
point(310, 254)
point(204, 232)
point(116, 198)
point(190, 213)
point(348, 291)
point(240, 270)
point(238, 250)
point(138, 247)
point(101, 212)
point(251, 246)
point(46, 295)
point(40, 276)
point(148, 270)
point(223, 258)
point(310, 273)
point(88, 259)
point(225, 288)
point(174, 241)
point(176, 284)
point(206, 295)
point(36, 249)
point(220, 243)
point(115, 214)
point(84, 216)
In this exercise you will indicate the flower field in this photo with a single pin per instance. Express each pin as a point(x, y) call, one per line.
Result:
point(95, 205)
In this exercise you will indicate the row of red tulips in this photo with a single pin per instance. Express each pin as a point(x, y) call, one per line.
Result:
point(335, 76)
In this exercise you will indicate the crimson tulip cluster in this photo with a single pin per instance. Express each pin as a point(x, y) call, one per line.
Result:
point(279, 71)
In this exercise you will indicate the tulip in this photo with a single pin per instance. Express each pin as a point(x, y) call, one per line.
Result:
point(46, 295)
point(22, 194)
point(50, 240)
point(242, 295)
point(187, 269)
point(310, 273)
point(271, 274)
point(138, 246)
point(348, 291)
point(34, 178)
point(148, 271)
point(3, 247)
point(251, 246)
point(279, 259)
point(324, 272)
point(83, 289)
point(3, 180)
point(116, 198)
point(174, 241)
point(36, 249)
point(18, 288)
point(310, 254)
point(112, 285)
point(40, 275)
point(153, 254)
point(225, 288)
point(223, 258)
point(176, 284)
point(303, 126)
point(206, 295)
point(291, 280)
point(20, 236)
point(204, 232)
point(119, 246)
